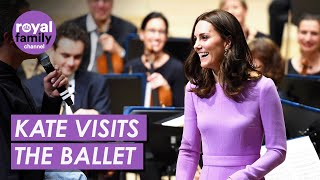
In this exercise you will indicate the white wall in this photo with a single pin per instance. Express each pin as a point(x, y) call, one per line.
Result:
point(180, 13)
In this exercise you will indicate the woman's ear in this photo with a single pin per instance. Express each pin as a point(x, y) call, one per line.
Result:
point(227, 43)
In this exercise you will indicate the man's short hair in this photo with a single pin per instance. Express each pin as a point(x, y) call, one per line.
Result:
point(8, 15)
point(71, 31)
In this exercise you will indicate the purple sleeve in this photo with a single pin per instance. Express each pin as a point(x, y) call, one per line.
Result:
point(189, 153)
point(275, 135)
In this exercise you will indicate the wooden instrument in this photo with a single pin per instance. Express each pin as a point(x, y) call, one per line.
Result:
point(162, 96)
point(109, 63)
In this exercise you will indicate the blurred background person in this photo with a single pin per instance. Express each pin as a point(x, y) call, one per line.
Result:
point(89, 90)
point(239, 9)
point(308, 63)
point(267, 58)
point(165, 73)
point(107, 34)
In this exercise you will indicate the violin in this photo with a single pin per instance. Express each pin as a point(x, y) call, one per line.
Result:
point(109, 63)
point(162, 96)
point(165, 96)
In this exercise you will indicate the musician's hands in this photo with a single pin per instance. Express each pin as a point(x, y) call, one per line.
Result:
point(54, 80)
point(86, 112)
point(109, 44)
point(156, 80)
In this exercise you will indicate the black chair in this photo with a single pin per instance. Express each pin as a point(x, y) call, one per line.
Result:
point(301, 89)
point(126, 90)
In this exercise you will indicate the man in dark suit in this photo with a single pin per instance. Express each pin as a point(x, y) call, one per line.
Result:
point(89, 90)
point(15, 98)
point(107, 33)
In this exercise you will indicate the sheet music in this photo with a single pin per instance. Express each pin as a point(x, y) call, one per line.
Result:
point(302, 162)
point(176, 122)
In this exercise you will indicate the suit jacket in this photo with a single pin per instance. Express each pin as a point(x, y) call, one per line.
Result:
point(119, 29)
point(91, 91)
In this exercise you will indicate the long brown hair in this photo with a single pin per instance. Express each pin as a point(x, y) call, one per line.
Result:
point(269, 54)
point(236, 67)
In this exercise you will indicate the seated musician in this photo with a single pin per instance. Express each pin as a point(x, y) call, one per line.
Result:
point(165, 73)
point(308, 63)
point(107, 34)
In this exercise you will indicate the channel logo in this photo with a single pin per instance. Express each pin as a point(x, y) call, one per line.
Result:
point(34, 32)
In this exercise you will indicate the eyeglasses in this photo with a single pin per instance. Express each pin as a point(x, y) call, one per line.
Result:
point(154, 31)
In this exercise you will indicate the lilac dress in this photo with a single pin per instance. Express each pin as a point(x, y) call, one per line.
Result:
point(231, 134)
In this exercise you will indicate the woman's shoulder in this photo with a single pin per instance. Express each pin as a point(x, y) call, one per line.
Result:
point(291, 66)
point(190, 86)
point(134, 65)
point(176, 62)
point(265, 83)
point(173, 65)
point(136, 60)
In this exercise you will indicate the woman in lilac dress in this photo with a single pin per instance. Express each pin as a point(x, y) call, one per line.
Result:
point(229, 107)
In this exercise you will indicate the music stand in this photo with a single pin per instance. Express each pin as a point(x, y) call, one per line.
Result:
point(301, 89)
point(298, 117)
point(302, 120)
point(163, 141)
point(126, 90)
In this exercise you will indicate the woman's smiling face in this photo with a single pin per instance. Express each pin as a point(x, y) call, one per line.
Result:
point(209, 45)
point(309, 35)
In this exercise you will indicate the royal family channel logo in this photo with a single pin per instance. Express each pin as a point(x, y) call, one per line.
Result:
point(34, 32)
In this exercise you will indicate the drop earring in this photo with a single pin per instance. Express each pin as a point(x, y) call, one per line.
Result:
point(225, 52)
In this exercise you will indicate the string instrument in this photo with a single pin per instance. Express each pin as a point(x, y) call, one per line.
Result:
point(162, 96)
point(109, 63)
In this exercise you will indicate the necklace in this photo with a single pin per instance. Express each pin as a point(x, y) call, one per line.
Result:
point(305, 66)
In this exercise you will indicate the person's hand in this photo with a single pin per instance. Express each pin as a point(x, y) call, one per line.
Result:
point(156, 80)
point(109, 44)
point(86, 112)
point(54, 80)
point(198, 172)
